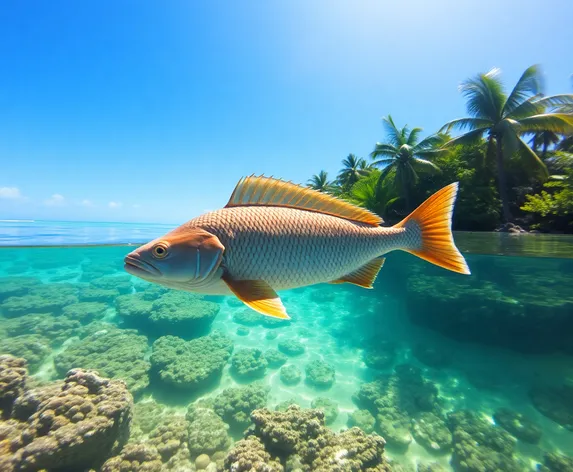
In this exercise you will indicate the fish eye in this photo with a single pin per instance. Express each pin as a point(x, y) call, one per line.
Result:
point(159, 251)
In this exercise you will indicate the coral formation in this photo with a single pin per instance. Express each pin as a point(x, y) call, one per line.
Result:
point(248, 364)
point(186, 314)
point(554, 402)
point(319, 374)
point(32, 347)
point(146, 415)
point(115, 353)
point(362, 419)
point(16, 286)
point(328, 407)
point(40, 298)
point(121, 283)
point(247, 318)
point(173, 313)
point(557, 462)
point(208, 433)
point(101, 295)
point(501, 311)
point(135, 458)
point(243, 331)
point(291, 347)
point(394, 400)
point(275, 359)
point(190, 365)
point(431, 432)
point(379, 354)
point(75, 425)
point(290, 375)
point(235, 404)
point(85, 312)
point(55, 328)
point(300, 437)
point(518, 425)
point(479, 445)
point(12, 382)
point(249, 455)
point(171, 439)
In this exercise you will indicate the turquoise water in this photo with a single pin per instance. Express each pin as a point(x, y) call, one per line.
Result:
point(425, 343)
point(53, 233)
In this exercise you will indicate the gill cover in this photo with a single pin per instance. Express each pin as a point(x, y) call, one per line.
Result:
point(208, 251)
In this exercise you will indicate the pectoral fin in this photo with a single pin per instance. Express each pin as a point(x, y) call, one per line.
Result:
point(363, 276)
point(258, 295)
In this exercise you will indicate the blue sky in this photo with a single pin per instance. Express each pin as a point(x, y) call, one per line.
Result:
point(151, 111)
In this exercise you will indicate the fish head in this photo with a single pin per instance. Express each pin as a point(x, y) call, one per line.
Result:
point(187, 256)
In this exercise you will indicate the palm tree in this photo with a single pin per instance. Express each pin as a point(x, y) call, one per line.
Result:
point(353, 169)
point(369, 194)
point(504, 119)
point(404, 157)
point(320, 182)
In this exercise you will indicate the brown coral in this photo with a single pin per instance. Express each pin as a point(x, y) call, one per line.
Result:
point(74, 425)
point(12, 381)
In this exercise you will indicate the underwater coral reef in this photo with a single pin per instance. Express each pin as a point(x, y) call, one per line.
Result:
point(100, 371)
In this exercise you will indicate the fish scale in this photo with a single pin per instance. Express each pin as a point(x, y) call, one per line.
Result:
point(288, 247)
point(274, 235)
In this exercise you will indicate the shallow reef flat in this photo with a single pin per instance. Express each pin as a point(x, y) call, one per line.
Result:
point(102, 371)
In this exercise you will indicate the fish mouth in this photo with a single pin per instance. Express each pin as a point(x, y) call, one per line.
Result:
point(134, 265)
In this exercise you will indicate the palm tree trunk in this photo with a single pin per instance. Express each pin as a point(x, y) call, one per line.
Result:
point(502, 182)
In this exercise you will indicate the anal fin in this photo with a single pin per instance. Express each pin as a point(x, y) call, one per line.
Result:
point(259, 296)
point(364, 276)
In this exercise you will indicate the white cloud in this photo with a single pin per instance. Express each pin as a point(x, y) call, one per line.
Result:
point(87, 203)
point(10, 193)
point(114, 204)
point(55, 200)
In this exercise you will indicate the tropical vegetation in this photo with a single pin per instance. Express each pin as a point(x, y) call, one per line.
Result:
point(513, 160)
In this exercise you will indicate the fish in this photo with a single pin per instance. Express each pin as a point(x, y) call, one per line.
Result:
point(275, 235)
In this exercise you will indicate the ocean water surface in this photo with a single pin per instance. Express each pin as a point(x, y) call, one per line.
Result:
point(457, 373)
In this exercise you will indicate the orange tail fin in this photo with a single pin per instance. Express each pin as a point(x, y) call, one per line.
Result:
point(430, 234)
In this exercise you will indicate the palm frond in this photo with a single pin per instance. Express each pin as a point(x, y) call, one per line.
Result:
point(558, 102)
point(526, 108)
point(467, 138)
point(466, 123)
point(386, 162)
point(531, 156)
point(431, 142)
point(561, 123)
point(528, 84)
point(424, 165)
point(382, 149)
point(485, 96)
point(394, 135)
point(413, 138)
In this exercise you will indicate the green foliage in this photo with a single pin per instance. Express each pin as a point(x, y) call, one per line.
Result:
point(353, 169)
point(477, 206)
point(504, 119)
point(373, 193)
point(495, 160)
point(403, 157)
point(553, 206)
point(321, 183)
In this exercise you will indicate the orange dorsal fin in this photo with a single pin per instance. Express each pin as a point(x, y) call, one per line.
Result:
point(430, 226)
point(364, 276)
point(267, 191)
point(259, 296)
